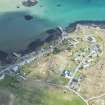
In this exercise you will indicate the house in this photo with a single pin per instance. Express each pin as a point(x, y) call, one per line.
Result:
point(94, 53)
point(22, 63)
point(66, 74)
point(15, 68)
point(97, 48)
point(63, 32)
point(79, 57)
point(90, 39)
point(86, 64)
point(2, 76)
point(20, 77)
point(17, 54)
point(89, 60)
point(74, 84)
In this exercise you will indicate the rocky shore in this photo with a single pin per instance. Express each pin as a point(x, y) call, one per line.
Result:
point(35, 46)
point(72, 26)
point(48, 37)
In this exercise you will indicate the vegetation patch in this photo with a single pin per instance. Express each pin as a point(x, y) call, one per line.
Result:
point(32, 92)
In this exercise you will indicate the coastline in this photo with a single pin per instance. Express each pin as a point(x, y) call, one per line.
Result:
point(50, 35)
point(21, 32)
point(72, 26)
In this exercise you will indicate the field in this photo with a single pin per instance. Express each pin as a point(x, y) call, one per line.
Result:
point(50, 67)
point(94, 83)
point(98, 101)
point(32, 92)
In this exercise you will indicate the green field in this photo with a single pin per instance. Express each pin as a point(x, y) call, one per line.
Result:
point(31, 92)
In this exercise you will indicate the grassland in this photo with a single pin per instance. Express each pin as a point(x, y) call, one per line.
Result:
point(98, 101)
point(31, 92)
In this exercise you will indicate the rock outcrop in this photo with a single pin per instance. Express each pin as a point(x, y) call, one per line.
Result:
point(28, 17)
point(29, 3)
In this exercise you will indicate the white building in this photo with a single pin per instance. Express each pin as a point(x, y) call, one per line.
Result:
point(2, 76)
point(15, 68)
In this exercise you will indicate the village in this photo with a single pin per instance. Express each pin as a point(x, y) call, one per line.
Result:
point(77, 52)
point(83, 58)
point(28, 58)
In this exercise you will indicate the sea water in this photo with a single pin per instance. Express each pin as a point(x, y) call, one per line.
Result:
point(16, 32)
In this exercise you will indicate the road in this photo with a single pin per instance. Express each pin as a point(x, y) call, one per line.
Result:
point(35, 56)
point(32, 56)
point(25, 61)
point(77, 68)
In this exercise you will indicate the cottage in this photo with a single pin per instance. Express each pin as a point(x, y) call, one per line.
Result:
point(28, 61)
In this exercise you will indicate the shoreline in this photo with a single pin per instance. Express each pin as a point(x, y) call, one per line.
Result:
point(50, 35)
point(94, 23)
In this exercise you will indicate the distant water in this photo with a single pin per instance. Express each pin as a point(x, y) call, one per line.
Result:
point(16, 32)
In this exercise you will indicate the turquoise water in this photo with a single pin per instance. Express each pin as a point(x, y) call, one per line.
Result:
point(16, 33)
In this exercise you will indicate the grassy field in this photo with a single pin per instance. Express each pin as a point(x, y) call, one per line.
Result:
point(4, 97)
point(99, 101)
point(32, 92)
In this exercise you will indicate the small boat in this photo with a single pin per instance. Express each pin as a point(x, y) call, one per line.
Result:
point(29, 3)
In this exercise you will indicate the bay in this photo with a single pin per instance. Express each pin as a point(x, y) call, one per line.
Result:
point(16, 32)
